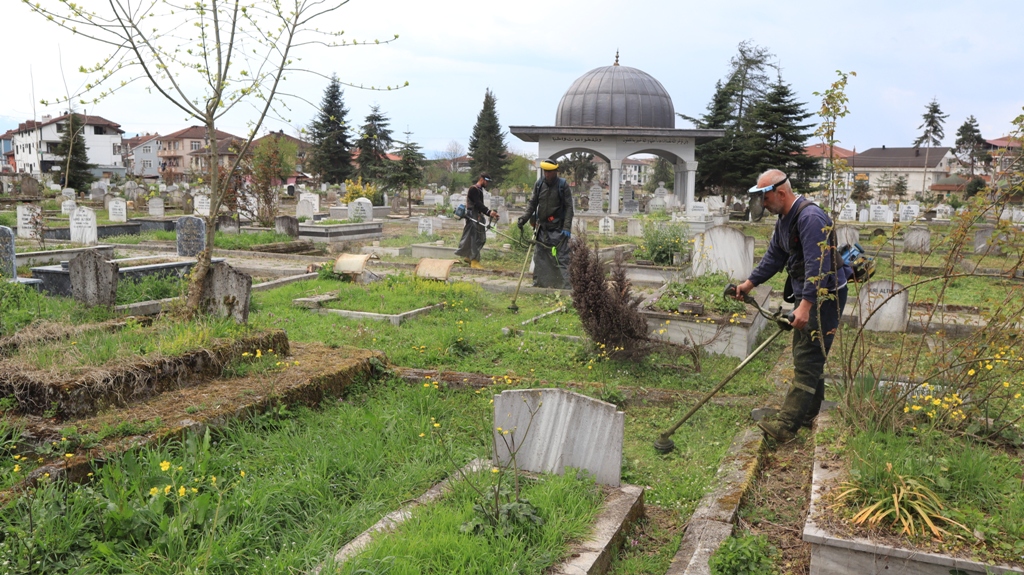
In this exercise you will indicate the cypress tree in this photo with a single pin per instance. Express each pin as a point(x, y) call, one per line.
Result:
point(409, 171)
point(487, 150)
point(776, 138)
point(373, 145)
point(76, 173)
point(331, 156)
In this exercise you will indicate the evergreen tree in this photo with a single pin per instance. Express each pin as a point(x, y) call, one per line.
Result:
point(331, 156)
point(74, 164)
point(776, 137)
point(662, 172)
point(487, 150)
point(373, 145)
point(408, 171)
point(970, 146)
point(718, 169)
point(932, 134)
point(579, 167)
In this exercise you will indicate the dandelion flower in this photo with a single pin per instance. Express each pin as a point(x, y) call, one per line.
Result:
point(153, 491)
point(165, 465)
point(181, 491)
point(167, 489)
point(213, 480)
point(69, 455)
point(494, 470)
point(437, 425)
point(423, 434)
point(242, 473)
point(194, 490)
point(258, 353)
point(17, 468)
point(970, 372)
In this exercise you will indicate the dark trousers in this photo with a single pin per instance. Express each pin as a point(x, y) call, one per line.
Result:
point(474, 236)
point(810, 350)
point(551, 270)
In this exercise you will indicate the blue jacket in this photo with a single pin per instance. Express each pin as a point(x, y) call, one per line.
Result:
point(811, 229)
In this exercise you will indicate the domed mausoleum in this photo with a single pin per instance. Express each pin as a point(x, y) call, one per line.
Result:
point(615, 112)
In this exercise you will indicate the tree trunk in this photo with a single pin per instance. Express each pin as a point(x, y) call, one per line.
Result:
point(202, 267)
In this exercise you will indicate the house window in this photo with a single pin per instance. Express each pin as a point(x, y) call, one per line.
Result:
point(60, 128)
point(195, 145)
point(147, 149)
point(147, 164)
point(98, 130)
point(117, 149)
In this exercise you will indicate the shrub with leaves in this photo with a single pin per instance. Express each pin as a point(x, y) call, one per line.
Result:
point(607, 310)
point(747, 555)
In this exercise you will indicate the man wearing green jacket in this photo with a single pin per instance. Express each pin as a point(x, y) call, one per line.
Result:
point(550, 211)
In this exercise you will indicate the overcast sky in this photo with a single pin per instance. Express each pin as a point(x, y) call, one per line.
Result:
point(528, 52)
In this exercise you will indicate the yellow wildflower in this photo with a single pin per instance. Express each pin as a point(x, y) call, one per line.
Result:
point(167, 489)
point(181, 491)
point(153, 491)
point(165, 465)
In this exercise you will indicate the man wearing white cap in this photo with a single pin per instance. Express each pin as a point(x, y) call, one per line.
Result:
point(550, 211)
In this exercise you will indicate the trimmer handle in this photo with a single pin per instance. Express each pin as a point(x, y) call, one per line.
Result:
point(730, 291)
point(785, 322)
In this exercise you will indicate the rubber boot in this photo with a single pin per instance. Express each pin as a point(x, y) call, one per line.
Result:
point(794, 410)
point(475, 264)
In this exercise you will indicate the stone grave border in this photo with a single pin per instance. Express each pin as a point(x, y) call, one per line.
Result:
point(57, 279)
point(359, 364)
point(837, 555)
point(735, 340)
point(512, 332)
point(85, 395)
point(622, 507)
point(53, 257)
point(315, 304)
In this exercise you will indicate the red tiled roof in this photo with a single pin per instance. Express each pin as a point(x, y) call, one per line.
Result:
point(196, 133)
point(821, 151)
point(898, 158)
point(1005, 142)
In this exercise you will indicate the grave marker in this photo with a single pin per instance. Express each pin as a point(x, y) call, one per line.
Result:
point(28, 215)
point(227, 224)
point(426, 226)
point(361, 209)
point(226, 293)
point(606, 227)
point(287, 225)
point(567, 430)
point(93, 279)
point(880, 213)
point(156, 207)
point(883, 314)
point(187, 204)
point(847, 236)
point(83, 226)
point(68, 193)
point(8, 267)
point(67, 206)
point(106, 200)
point(190, 232)
point(117, 211)
point(290, 190)
point(627, 191)
point(630, 207)
point(30, 186)
point(909, 213)
point(863, 216)
point(304, 209)
point(202, 204)
point(723, 249)
point(313, 199)
point(596, 200)
point(918, 240)
point(848, 213)
point(983, 241)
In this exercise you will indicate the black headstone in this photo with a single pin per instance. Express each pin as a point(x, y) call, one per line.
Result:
point(191, 234)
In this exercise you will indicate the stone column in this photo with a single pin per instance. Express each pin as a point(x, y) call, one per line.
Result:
point(613, 197)
point(686, 179)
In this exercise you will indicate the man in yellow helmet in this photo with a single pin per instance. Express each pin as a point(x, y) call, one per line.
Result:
point(550, 211)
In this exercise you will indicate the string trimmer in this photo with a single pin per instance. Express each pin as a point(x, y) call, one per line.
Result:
point(664, 443)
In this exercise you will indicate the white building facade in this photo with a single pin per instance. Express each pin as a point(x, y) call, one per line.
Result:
point(35, 145)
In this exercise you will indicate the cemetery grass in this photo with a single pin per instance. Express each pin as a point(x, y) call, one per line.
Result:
point(977, 484)
point(466, 336)
point(431, 540)
point(279, 493)
point(149, 288)
point(20, 306)
point(224, 241)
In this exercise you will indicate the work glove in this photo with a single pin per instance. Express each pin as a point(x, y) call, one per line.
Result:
point(521, 221)
point(566, 234)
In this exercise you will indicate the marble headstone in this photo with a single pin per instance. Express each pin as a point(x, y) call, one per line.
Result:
point(202, 204)
point(723, 249)
point(847, 236)
point(426, 226)
point(884, 304)
point(606, 227)
point(304, 209)
point(917, 240)
point(566, 430)
point(93, 279)
point(909, 213)
point(630, 207)
point(983, 240)
point(106, 200)
point(848, 213)
point(880, 214)
point(226, 293)
point(313, 199)
point(68, 193)
point(83, 226)
point(117, 210)
point(67, 206)
point(156, 207)
point(627, 192)
point(361, 209)
point(863, 217)
point(287, 225)
point(190, 232)
point(8, 269)
point(26, 214)
point(596, 200)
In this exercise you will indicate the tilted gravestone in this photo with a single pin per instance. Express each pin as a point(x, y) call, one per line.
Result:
point(117, 210)
point(847, 236)
point(226, 292)
point(304, 209)
point(881, 309)
point(83, 226)
point(29, 216)
point(918, 240)
point(287, 225)
point(93, 279)
point(567, 430)
point(156, 207)
point(8, 268)
point(723, 249)
point(187, 204)
point(606, 227)
point(190, 233)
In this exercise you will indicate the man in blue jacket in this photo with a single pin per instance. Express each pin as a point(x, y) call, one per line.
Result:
point(804, 244)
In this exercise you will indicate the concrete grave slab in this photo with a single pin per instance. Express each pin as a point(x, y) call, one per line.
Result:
point(93, 279)
point(567, 430)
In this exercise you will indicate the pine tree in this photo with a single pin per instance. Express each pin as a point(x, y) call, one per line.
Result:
point(487, 150)
point(579, 167)
point(720, 170)
point(970, 145)
point(373, 145)
point(408, 173)
point(776, 138)
point(75, 171)
point(933, 120)
point(662, 172)
point(331, 156)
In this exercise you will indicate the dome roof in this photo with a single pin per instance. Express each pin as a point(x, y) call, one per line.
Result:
point(616, 96)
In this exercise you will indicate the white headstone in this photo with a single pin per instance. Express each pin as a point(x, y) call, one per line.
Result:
point(117, 211)
point(156, 207)
point(918, 240)
point(884, 305)
point(361, 209)
point(68, 193)
point(579, 226)
point(881, 214)
point(67, 206)
point(313, 199)
point(565, 430)
point(596, 200)
point(863, 217)
point(83, 226)
point(201, 204)
point(26, 214)
point(909, 213)
point(699, 208)
point(847, 236)
point(304, 209)
point(606, 227)
point(426, 226)
point(723, 249)
point(848, 213)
